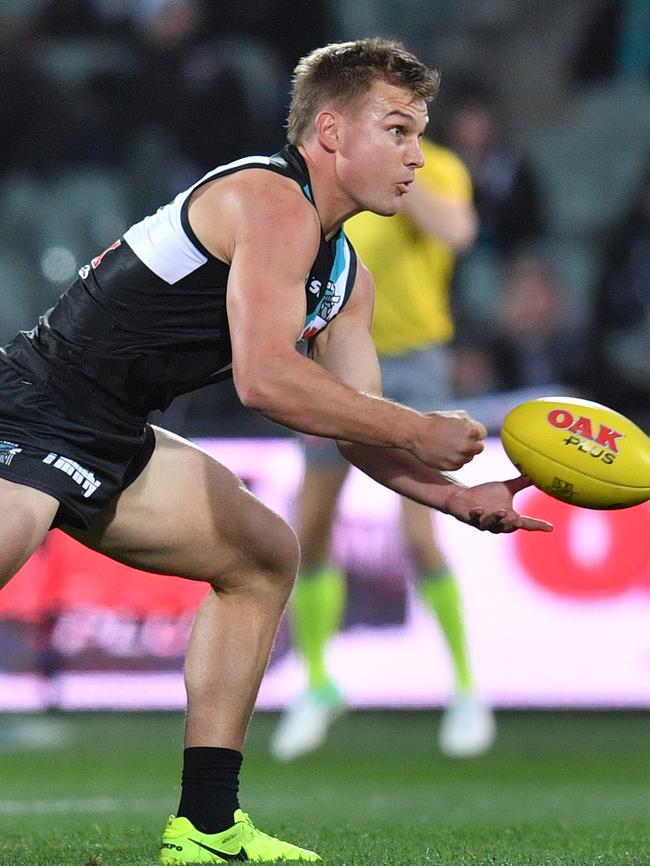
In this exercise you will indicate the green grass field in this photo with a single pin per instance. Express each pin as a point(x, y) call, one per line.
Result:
point(559, 788)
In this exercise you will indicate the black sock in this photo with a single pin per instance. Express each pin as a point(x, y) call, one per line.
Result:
point(210, 787)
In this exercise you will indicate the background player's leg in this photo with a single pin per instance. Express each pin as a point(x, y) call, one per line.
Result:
point(467, 726)
point(27, 515)
point(317, 605)
point(319, 596)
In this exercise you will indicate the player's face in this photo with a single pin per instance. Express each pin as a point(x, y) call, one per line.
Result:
point(380, 147)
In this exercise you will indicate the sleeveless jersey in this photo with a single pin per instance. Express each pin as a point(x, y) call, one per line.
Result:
point(146, 320)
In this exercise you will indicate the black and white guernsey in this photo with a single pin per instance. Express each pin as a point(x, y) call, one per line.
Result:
point(146, 320)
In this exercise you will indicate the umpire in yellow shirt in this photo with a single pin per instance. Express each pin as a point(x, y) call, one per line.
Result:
point(411, 257)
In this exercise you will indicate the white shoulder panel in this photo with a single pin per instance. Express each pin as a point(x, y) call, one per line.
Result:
point(160, 240)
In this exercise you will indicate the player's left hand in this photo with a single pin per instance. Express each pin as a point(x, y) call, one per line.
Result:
point(489, 507)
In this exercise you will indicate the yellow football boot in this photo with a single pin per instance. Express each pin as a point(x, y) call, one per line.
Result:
point(183, 844)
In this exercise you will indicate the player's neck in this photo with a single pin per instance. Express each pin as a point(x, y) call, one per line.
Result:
point(334, 206)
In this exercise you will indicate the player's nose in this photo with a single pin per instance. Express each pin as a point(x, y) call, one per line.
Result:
point(414, 155)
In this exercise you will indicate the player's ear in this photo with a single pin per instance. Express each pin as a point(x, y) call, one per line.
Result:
point(327, 130)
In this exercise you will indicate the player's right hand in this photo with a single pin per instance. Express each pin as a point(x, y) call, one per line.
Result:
point(450, 440)
point(489, 507)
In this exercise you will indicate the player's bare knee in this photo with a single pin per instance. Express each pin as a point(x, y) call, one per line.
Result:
point(279, 556)
point(265, 560)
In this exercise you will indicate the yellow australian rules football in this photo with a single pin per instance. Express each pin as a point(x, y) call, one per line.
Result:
point(579, 452)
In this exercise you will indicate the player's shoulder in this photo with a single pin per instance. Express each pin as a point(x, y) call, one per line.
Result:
point(258, 189)
point(267, 199)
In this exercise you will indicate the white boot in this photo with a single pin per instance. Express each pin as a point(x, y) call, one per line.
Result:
point(467, 728)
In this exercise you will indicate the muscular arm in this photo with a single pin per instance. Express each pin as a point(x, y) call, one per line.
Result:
point(335, 393)
point(487, 506)
point(346, 349)
point(272, 238)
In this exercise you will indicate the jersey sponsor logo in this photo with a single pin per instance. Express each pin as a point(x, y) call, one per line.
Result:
point(96, 262)
point(79, 474)
point(8, 451)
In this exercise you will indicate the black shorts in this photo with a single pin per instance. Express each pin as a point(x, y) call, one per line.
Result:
point(82, 467)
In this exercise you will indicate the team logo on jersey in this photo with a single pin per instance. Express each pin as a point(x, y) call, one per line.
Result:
point(8, 451)
point(79, 474)
point(327, 308)
point(96, 262)
point(330, 303)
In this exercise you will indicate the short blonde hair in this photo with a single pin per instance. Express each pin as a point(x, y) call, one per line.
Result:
point(343, 72)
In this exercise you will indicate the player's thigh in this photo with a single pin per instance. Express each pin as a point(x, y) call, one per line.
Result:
point(188, 515)
point(27, 515)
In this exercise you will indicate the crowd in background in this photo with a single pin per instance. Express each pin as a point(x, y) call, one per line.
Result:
point(110, 107)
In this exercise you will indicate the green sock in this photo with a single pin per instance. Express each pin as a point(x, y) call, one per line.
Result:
point(441, 593)
point(318, 604)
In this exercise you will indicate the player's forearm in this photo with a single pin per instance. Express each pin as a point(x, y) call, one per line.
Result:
point(403, 473)
point(299, 394)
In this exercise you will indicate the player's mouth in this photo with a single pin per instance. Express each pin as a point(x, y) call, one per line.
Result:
point(404, 186)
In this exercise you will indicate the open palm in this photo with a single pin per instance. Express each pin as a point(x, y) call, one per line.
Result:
point(489, 507)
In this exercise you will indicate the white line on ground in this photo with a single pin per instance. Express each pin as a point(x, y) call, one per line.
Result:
point(81, 805)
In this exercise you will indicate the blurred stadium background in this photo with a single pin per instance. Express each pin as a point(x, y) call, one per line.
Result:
point(108, 108)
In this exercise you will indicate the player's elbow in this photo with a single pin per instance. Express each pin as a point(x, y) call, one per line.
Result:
point(257, 388)
point(252, 392)
point(267, 382)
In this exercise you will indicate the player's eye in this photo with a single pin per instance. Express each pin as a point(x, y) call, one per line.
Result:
point(397, 131)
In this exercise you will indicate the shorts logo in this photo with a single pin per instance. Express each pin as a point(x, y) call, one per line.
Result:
point(8, 451)
point(79, 475)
